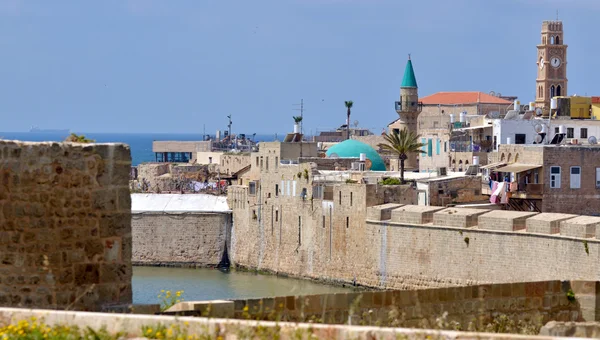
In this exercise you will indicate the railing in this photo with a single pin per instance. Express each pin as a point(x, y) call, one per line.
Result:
point(531, 188)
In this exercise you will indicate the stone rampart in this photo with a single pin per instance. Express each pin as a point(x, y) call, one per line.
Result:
point(180, 239)
point(346, 240)
point(65, 225)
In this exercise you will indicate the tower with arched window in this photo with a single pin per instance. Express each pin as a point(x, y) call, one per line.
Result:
point(552, 64)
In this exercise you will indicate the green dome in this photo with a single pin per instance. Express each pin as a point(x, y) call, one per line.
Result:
point(352, 149)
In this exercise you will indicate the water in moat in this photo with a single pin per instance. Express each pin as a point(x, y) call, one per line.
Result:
point(211, 284)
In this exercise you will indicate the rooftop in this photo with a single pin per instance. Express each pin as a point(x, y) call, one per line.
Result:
point(409, 79)
point(455, 98)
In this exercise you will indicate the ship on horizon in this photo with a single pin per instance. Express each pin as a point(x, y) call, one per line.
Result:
point(36, 129)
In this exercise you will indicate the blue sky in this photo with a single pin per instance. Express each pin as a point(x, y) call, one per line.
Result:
point(175, 65)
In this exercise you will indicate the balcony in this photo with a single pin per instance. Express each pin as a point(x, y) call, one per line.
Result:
point(530, 190)
point(411, 106)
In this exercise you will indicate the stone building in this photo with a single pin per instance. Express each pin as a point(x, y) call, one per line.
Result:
point(550, 178)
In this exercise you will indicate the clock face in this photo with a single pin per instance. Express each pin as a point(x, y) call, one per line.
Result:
point(541, 63)
point(555, 62)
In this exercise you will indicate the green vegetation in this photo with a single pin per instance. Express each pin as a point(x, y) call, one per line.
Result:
point(585, 245)
point(402, 144)
point(33, 330)
point(391, 181)
point(571, 295)
point(351, 181)
point(168, 299)
point(467, 240)
point(74, 138)
point(297, 119)
point(306, 174)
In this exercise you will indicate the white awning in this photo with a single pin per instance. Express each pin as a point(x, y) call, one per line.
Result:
point(517, 167)
point(474, 127)
point(493, 165)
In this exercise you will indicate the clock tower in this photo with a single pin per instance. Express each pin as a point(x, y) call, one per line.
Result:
point(552, 65)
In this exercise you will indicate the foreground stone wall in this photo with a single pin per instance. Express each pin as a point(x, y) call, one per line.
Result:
point(177, 239)
point(65, 225)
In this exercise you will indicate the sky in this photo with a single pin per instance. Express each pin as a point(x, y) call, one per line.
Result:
point(184, 65)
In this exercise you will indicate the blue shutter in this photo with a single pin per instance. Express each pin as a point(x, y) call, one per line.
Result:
point(429, 147)
point(437, 146)
point(423, 141)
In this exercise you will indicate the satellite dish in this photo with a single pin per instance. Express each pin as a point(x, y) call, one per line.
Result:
point(334, 155)
point(368, 164)
point(538, 139)
point(538, 111)
point(355, 123)
point(512, 114)
point(539, 128)
point(592, 140)
point(494, 115)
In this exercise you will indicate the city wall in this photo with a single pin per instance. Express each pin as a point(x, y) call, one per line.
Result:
point(357, 237)
point(65, 225)
point(180, 239)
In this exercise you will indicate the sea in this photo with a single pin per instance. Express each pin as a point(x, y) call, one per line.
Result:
point(140, 143)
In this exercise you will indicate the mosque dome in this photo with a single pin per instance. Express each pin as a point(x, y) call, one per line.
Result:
point(352, 149)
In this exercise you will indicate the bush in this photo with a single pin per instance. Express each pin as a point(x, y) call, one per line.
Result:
point(168, 299)
point(391, 181)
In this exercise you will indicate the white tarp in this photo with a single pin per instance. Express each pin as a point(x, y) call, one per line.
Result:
point(178, 203)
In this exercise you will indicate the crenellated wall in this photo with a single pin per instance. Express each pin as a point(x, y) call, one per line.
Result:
point(65, 225)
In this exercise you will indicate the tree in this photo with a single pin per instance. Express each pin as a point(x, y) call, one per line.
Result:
point(74, 138)
point(348, 104)
point(402, 144)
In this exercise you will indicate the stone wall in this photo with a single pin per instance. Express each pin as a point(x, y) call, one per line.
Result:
point(332, 240)
point(180, 239)
point(535, 302)
point(232, 163)
point(65, 225)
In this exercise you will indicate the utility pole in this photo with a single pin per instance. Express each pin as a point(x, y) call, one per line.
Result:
point(301, 109)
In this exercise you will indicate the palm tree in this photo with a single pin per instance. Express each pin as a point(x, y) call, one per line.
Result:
point(348, 104)
point(402, 144)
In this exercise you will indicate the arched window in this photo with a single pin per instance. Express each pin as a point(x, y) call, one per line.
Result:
point(552, 91)
point(516, 158)
point(551, 40)
point(502, 157)
point(509, 158)
point(558, 91)
point(557, 41)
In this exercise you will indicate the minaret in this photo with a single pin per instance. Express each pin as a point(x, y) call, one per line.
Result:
point(408, 108)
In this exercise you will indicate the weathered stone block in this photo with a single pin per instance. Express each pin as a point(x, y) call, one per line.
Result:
point(504, 220)
point(414, 214)
point(581, 226)
point(458, 217)
point(546, 223)
point(381, 212)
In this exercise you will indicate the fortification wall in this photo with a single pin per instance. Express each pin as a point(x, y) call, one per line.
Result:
point(177, 239)
point(334, 241)
point(65, 225)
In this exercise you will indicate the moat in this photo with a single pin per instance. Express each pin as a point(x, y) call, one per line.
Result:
point(210, 284)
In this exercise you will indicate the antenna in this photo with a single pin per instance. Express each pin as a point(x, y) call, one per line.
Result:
point(301, 109)
point(229, 126)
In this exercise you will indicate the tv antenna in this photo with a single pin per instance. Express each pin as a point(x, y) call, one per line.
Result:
point(229, 126)
point(301, 109)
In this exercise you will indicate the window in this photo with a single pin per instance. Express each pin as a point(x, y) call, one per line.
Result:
point(520, 138)
point(267, 163)
point(570, 133)
point(558, 92)
point(397, 131)
point(555, 130)
point(276, 162)
point(340, 197)
point(445, 146)
point(276, 190)
point(555, 177)
point(495, 142)
point(424, 142)
point(257, 161)
point(350, 198)
point(252, 188)
point(583, 133)
point(276, 215)
point(597, 177)
point(347, 221)
point(437, 146)
point(323, 221)
point(261, 163)
point(575, 179)
point(557, 40)
point(552, 91)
